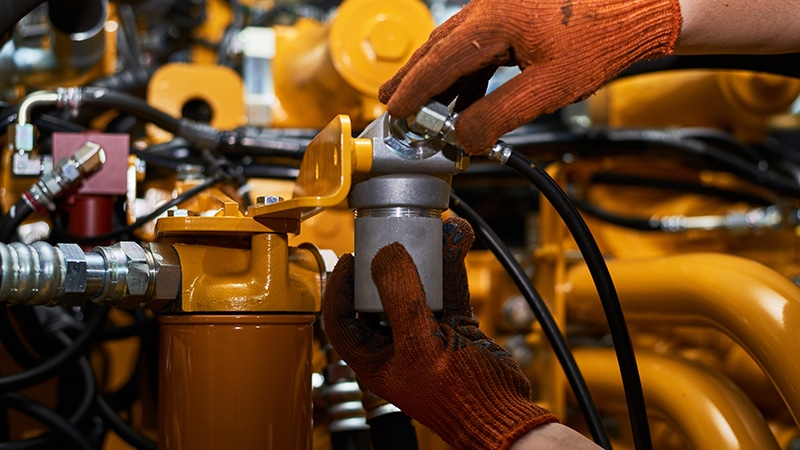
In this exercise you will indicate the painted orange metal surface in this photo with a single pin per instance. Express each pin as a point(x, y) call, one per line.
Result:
point(703, 407)
point(267, 276)
point(235, 382)
point(751, 303)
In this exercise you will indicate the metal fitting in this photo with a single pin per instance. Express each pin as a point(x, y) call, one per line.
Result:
point(434, 120)
point(125, 274)
point(67, 173)
point(398, 150)
point(500, 152)
point(268, 199)
point(343, 396)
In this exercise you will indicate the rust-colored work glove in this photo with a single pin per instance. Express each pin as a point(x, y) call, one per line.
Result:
point(566, 50)
point(444, 373)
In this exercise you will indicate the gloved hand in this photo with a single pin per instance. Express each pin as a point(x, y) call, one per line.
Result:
point(566, 50)
point(444, 373)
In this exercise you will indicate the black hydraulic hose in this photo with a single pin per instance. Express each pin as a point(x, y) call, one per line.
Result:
point(51, 439)
point(537, 304)
point(633, 223)
point(667, 139)
point(393, 431)
point(107, 98)
point(12, 11)
point(787, 64)
point(351, 440)
point(697, 148)
point(12, 342)
point(49, 367)
point(620, 179)
point(47, 417)
point(122, 428)
point(133, 80)
point(12, 220)
point(632, 383)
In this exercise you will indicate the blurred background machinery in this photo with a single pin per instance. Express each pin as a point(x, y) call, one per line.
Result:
point(174, 189)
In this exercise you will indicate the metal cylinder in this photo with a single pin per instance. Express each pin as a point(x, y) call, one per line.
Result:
point(79, 31)
point(235, 381)
point(404, 208)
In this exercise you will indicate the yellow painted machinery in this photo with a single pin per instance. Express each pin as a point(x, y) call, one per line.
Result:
point(173, 201)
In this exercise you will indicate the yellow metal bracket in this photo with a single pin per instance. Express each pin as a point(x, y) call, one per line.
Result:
point(326, 173)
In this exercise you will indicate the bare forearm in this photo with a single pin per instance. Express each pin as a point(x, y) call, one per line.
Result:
point(739, 26)
point(554, 436)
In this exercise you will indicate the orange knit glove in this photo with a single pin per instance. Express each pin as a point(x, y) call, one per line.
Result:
point(444, 373)
point(566, 49)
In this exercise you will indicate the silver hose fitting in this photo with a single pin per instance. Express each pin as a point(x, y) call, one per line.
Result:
point(404, 208)
point(67, 173)
point(125, 274)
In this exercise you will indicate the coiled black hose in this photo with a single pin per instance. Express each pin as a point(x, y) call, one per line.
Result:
point(623, 347)
point(549, 327)
point(47, 417)
point(51, 366)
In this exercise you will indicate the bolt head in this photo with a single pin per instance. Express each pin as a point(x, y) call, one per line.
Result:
point(179, 213)
point(389, 41)
point(268, 199)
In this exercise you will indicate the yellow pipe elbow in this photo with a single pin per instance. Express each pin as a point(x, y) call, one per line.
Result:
point(751, 303)
point(706, 409)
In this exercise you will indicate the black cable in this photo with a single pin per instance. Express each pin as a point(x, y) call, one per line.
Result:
point(52, 438)
point(392, 431)
point(51, 366)
point(152, 216)
point(12, 220)
point(577, 138)
point(47, 417)
point(633, 223)
point(620, 179)
point(123, 429)
point(782, 64)
point(632, 383)
point(537, 304)
point(107, 98)
point(13, 343)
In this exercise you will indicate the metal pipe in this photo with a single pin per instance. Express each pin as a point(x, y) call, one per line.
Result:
point(751, 303)
point(706, 409)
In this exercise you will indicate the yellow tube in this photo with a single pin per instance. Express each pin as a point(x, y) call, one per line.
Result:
point(706, 409)
point(751, 303)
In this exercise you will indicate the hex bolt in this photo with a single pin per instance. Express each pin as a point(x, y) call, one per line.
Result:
point(268, 199)
point(179, 213)
point(389, 41)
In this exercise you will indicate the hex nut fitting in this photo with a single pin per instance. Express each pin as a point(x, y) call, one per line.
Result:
point(167, 266)
point(430, 120)
point(76, 277)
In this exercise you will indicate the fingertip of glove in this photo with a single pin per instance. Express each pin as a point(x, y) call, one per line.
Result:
point(390, 258)
point(457, 231)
